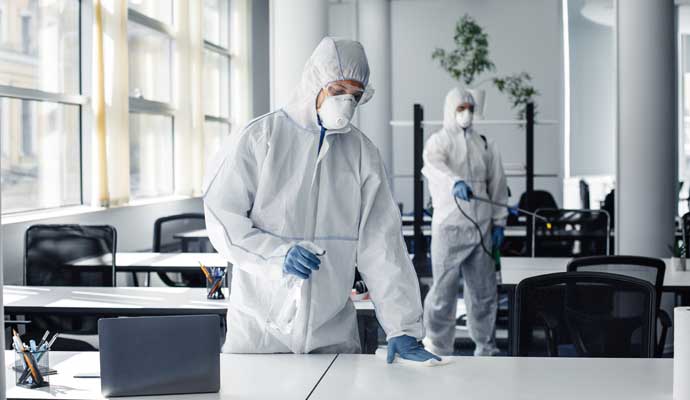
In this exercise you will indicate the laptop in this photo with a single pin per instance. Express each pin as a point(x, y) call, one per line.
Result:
point(159, 355)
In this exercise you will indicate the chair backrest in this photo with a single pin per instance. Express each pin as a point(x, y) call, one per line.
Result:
point(584, 314)
point(569, 233)
point(531, 202)
point(584, 195)
point(166, 227)
point(648, 269)
point(70, 255)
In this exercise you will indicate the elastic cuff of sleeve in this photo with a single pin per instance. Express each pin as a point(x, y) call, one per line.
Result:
point(500, 222)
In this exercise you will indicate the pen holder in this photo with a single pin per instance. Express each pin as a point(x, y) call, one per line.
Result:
point(32, 368)
point(217, 286)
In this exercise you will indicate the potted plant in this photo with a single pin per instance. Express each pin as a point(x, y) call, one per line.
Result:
point(519, 91)
point(469, 59)
point(678, 255)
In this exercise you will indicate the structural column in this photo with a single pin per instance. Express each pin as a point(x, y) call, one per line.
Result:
point(374, 32)
point(647, 128)
point(297, 26)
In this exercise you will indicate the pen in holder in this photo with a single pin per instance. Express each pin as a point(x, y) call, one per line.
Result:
point(32, 368)
point(216, 282)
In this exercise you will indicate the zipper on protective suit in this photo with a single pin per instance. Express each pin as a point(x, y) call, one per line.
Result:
point(302, 337)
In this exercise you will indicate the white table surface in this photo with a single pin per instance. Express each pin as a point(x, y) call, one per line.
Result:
point(515, 269)
point(196, 234)
point(505, 378)
point(273, 376)
point(128, 300)
point(126, 261)
point(123, 299)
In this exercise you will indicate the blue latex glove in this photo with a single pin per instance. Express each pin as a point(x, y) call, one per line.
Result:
point(462, 190)
point(408, 348)
point(513, 211)
point(497, 236)
point(300, 262)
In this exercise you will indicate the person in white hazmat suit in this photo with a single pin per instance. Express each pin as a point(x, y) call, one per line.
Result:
point(458, 163)
point(301, 195)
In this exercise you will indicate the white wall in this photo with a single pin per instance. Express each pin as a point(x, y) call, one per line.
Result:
point(134, 226)
point(524, 35)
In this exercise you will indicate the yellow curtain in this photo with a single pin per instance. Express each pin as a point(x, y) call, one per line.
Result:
point(110, 149)
point(99, 175)
point(189, 117)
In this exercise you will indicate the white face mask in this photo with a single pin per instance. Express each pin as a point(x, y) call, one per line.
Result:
point(336, 111)
point(464, 119)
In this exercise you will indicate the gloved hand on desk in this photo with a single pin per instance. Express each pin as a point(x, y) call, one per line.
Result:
point(408, 348)
point(462, 190)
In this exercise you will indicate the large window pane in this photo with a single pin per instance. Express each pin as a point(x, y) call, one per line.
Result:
point(214, 132)
point(150, 155)
point(216, 22)
point(161, 10)
point(41, 155)
point(41, 47)
point(149, 63)
point(217, 87)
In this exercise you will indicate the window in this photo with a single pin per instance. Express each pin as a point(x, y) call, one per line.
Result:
point(150, 155)
point(40, 104)
point(216, 74)
point(27, 129)
point(151, 122)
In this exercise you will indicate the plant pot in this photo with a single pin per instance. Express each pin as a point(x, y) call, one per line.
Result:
point(678, 263)
point(479, 96)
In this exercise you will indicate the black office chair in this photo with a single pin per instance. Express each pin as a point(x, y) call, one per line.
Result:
point(648, 269)
point(532, 202)
point(584, 195)
point(570, 233)
point(52, 257)
point(163, 242)
point(584, 314)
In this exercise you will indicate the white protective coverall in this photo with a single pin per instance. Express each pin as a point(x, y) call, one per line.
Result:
point(270, 189)
point(450, 155)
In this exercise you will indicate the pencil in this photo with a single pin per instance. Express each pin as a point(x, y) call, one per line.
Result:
point(206, 274)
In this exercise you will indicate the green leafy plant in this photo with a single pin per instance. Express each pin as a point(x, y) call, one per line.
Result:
point(519, 90)
point(470, 58)
point(678, 249)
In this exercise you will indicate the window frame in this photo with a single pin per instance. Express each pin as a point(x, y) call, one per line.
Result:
point(224, 52)
point(139, 105)
point(80, 100)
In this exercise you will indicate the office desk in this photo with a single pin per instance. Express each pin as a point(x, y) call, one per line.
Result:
point(119, 301)
point(273, 376)
point(480, 378)
point(155, 262)
point(515, 269)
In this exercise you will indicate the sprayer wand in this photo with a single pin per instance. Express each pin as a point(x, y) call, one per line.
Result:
point(523, 211)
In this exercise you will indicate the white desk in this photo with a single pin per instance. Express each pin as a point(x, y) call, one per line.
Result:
point(119, 300)
point(155, 262)
point(274, 376)
point(363, 377)
point(515, 269)
point(109, 300)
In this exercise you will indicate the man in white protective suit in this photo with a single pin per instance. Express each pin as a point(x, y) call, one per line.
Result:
point(295, 202)
point(458, 164)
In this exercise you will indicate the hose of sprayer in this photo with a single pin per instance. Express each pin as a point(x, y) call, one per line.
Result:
point(476, 225)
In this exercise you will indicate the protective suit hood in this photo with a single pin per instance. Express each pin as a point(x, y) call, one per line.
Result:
point(333, 59)
point(454, 98)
